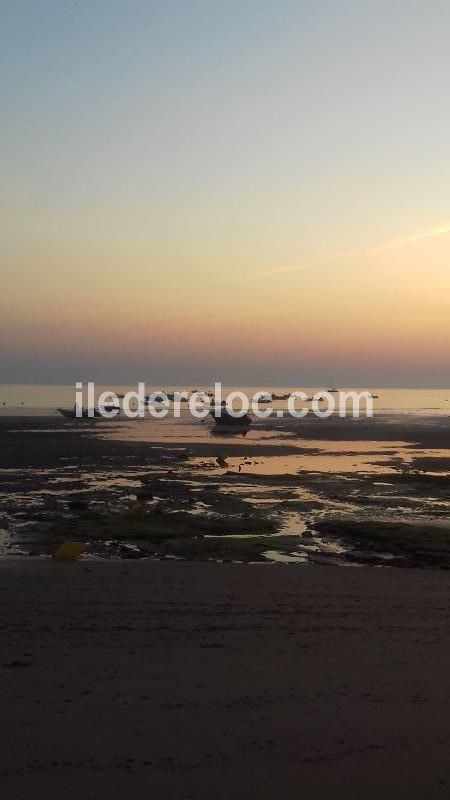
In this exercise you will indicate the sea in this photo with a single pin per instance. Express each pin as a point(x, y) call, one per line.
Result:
point(43, 400)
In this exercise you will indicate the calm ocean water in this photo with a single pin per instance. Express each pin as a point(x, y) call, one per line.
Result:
point(42, 400)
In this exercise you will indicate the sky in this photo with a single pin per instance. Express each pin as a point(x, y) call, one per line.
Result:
point(251, 191)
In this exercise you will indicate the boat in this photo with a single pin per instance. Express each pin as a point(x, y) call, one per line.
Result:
point(71, 413)
point(334, 389)
point(265, 398)
point(226, 419)
point(280, 396)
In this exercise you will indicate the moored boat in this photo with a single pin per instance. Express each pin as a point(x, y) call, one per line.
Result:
point(225, 418)
point(71, 413)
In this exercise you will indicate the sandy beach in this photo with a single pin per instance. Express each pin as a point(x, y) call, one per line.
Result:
point(174, 680)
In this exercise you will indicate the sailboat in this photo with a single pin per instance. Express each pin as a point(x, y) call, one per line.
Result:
point(333, 387)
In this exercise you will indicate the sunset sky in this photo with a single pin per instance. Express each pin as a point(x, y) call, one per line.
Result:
point(246, 190)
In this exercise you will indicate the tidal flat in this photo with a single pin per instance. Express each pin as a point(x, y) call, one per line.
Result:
point(339, 491)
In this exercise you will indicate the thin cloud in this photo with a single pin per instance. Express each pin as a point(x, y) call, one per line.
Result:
point(380, 249)
point(417, 236)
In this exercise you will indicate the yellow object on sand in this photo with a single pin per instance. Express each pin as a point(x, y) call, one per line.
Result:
point(69, 551)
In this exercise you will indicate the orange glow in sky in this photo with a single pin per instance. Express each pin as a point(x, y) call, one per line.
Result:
point(225, 192)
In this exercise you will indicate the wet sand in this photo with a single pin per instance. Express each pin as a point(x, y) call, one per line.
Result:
point(186, 680)
point(43, 441)
point(306, 491)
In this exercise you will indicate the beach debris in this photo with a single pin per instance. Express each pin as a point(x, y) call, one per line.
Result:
point(70, 551)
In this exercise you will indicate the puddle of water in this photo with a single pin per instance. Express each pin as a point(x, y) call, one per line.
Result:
point(313, 548)
point(292, 465)
point(186, 430)
point(284, 558)
point(292, 524)
point(105, 481)
point(345, 457)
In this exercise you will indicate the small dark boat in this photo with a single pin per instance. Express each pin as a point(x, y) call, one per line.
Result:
point(281, 396)
point(333, 387)
point(266, 398)
point(224, 418)
point(71, 413)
